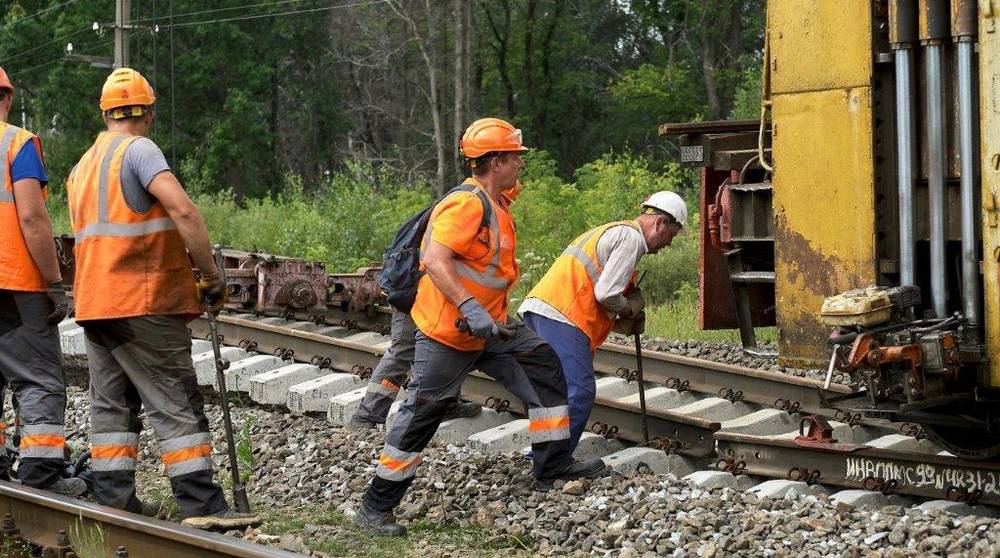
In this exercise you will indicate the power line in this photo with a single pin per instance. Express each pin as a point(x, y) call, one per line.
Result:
point(215, 10)
point(61, 58)
point(45, 44)
point(276, 14)
point(36, 14)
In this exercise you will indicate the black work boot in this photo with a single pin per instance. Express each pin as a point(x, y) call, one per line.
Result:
point(359, 423)
point(462, 409)
point(577, 470)
point(380, 523)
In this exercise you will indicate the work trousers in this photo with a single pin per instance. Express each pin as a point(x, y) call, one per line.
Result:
point(573, 348)
point(392, 370)
point(524, 364)
point(145, 362)
point(29, 363)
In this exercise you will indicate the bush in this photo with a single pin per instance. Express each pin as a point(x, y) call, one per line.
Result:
point(551, 213)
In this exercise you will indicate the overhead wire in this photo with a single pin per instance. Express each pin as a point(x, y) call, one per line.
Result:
point(86, 50)
point(216, 10)
point(276, 14)
point(36, 14)
point(43, 45)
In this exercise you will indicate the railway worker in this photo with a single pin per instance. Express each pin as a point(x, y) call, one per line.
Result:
point(394, 368)
point(590, 290)
point(135, 293)
point(461, 318)
point(32, 303)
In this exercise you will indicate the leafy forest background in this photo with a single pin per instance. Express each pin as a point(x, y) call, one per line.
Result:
point(313, 128)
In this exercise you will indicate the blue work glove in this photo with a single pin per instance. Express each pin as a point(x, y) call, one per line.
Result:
point(478, 320)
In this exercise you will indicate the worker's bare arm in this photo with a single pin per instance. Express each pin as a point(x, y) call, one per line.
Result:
point(439, 260)
point(168, 190)
point(36, 227)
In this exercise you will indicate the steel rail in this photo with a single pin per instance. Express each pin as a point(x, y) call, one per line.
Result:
point(39, 516)
point(912, 474)
point(689, 435)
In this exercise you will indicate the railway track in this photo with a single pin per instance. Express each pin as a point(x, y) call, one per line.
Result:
point(54, 526)
point(716, 424)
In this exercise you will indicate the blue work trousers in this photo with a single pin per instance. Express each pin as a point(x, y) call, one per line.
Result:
point(572, 347)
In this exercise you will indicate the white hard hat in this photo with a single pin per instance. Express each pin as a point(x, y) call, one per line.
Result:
point(669, 202)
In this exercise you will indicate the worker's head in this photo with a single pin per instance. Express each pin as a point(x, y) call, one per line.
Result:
point(127, 100)
point(492, 148)
point(6, 94)
point(664, 215)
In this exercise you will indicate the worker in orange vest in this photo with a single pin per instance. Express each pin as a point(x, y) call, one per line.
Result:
point(461, 317)
point(32, 303)
point(591, 289)
point(135, 292)
point(393, 370)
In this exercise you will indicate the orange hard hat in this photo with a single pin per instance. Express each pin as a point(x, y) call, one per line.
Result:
point(5, 81)
point(126, 87)
point(488, 135)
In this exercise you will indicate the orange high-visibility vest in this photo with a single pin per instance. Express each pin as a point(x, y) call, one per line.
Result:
point(489, 277)
point(568, 286)
point(127, 263)
point(18, 271)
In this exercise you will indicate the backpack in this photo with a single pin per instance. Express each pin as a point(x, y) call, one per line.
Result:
point(401, 261)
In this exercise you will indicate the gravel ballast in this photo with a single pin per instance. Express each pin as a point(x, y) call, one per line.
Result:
point(304, 463)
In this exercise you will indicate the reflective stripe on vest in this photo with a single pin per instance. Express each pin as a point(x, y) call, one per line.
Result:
point(104, 228)
point(6, 196)
point(18, 271)
point(569, 285)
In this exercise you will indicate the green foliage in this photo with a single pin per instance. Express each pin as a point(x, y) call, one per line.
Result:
point(550, 213)
point(678, 319)
point(345, 222)
point(88, 541)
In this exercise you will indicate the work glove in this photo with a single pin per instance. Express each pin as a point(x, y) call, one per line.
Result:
point(212, 292)
point(635, 325)
point(478, 322)
point(61, 306)
point(635, 304)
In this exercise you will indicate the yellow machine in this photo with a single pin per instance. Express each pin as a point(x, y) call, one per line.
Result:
point(876, 161)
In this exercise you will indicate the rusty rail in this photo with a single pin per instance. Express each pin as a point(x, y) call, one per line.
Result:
point(40, 516)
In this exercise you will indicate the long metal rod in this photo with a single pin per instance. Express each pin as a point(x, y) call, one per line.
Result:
point(240, 499)
point(936, 169)
point(644, 420)
point(969, 156)
point(906, 146)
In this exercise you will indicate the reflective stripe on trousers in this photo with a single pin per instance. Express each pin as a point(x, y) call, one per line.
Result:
point(187, 454)
point(548, 424)
point(384, 388)
point(397, 465)
point(114, 451)
point(44, 441)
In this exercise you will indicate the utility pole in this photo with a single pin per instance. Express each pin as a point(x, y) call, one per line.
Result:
point(123, 19)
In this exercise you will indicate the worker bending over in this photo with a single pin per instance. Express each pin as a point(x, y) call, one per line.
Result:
point(393, 368)
point(135, 293)
point(461, 317)
point(32, 302)
point(591, 289)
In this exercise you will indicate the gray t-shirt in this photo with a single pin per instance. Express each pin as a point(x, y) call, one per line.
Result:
point(143, 160)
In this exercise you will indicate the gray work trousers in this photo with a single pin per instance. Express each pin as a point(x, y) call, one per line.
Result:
point(392, 371)
point(524, 364)
point(145, 362)
point(29, 363)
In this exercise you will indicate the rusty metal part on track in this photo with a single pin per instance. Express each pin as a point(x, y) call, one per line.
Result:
point(39, 517)
point(920, 475)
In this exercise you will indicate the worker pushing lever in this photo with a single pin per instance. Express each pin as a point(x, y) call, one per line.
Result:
point(135, 292)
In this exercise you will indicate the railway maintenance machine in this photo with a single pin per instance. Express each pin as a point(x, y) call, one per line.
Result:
point(861, 213)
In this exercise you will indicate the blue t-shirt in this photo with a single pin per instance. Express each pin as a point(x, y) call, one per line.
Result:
point(29, 164)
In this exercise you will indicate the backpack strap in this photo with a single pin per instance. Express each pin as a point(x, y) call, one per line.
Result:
point(487, 206)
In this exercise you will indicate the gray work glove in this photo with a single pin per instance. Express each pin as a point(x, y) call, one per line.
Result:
point(631, 326)
point(478, 320)
point(635, 304)
point(60, 302)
